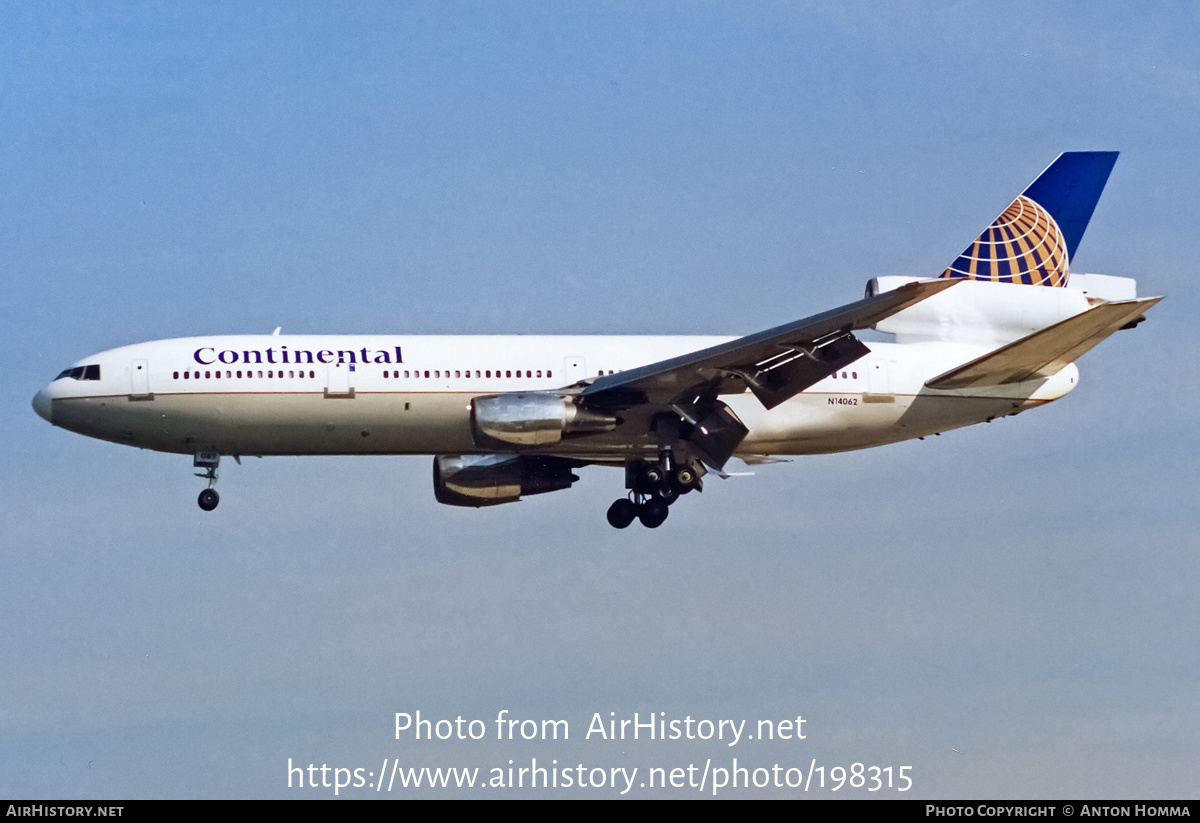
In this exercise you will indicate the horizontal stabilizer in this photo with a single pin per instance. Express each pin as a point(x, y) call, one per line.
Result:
point(1046, 352)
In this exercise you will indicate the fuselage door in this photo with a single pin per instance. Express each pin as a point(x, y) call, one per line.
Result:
point(879, 382)
point(139, 374)
point(574, 369)
point(877, 377)
point(338, 381)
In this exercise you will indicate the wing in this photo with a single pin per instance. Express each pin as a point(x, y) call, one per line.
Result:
point(775, 364)
point(681, 394)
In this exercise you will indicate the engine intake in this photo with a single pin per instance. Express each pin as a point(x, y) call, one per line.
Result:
point(477, 480)
point(532, 419)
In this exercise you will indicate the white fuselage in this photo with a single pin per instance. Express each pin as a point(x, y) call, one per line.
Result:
point(399, 394)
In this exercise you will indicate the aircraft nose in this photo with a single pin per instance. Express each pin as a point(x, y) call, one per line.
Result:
point(42, 405)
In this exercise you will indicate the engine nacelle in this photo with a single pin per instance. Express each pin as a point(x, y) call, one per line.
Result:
point(979, 312)
point(477, 480)
point(532, 419)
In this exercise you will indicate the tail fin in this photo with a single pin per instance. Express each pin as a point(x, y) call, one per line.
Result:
point(1033, 241)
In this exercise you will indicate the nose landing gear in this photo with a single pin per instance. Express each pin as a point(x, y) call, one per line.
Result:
point(209, 499)
point(208, 460)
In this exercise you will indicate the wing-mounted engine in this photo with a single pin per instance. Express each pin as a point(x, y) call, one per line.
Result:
point(532, 419)
point(477, 480)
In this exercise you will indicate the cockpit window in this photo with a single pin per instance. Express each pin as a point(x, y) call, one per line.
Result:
point(91, 372)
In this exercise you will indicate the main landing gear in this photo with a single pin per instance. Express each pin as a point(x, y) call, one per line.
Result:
point(208, 461)
point(654, 487)
point(652, 511)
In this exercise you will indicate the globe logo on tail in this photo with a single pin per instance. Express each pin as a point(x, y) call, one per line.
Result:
point(1023, 245)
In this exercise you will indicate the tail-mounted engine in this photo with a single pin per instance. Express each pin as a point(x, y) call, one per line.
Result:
point(477, 480)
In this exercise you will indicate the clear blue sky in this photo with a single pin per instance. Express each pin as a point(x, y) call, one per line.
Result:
point(1011, 609)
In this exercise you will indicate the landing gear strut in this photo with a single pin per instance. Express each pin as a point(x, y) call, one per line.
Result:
point(208, 460)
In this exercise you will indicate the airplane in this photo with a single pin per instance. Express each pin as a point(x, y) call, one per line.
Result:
point(994, 334)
